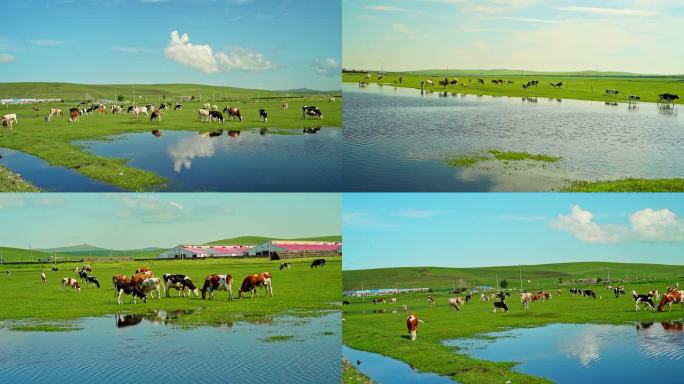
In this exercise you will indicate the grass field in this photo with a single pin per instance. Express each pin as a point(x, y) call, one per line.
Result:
point(350, 375)
point(577, 86)
point(53, 141)
point(298, 291)
point(375, 328)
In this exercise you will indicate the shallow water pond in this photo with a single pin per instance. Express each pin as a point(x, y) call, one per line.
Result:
point(148, 349)
point(398, 140)
point(385, 370)
point(588, 353)
point(235, 161)
point(49, 178)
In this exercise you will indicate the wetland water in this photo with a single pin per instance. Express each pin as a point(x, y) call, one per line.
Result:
point(150, 349)
point(397, 140)
point(588, 353)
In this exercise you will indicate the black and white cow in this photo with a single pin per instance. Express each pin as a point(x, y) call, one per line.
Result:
point(129, 289)
point(589, 293)
point(284, 266)
point(92, 280)
point(318, 263)
point(263, 115)
point(620, 290)
point(312, 111)
point(181, 283)
point(646, 299)
point(178, 107)
point(215, 116)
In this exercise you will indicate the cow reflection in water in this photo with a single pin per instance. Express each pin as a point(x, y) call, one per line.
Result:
point(311, 131)
point(263, 131)
point(154, 317)
point(675, 326)
point(234, 133)
point(211, 134)
point(157, 132)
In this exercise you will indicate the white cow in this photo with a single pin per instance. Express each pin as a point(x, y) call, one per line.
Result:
point(203, 114)
point(137, 111)
point(9, 119)
point(43, 277)
point(153, 284)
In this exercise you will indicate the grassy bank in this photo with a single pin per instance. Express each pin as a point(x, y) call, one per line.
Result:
point(578, 87)
point(628, 185)
point(11, 182)
point(375, 328)
point(351, 375)
point(54, 141)
point(26, 298)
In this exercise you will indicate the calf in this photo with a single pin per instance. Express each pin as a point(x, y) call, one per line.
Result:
point(43, 277)
point(218, 282)
point(412, 325)
point(69, 282)
point(129, 289)
point(180, 283)
point(263, 115)
point(646, 299)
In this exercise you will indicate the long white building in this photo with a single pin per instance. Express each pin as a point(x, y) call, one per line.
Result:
point(203, 251)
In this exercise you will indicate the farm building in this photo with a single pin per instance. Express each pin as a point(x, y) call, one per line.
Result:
point(285, 249)
point(380, 292)
point(203, 251)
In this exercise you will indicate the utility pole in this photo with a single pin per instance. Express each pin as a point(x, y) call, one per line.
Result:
point(521, 286)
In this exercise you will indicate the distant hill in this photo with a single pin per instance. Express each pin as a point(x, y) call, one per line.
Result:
point(514, 72)
point(254, 240)
point(542, 275)
point(10, 254)
point(143, 92)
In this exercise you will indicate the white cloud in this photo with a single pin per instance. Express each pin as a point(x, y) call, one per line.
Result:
point(6, 58)
point(188, 149)
point(326, 67)
point(609, 11)
point(408, 31)
point(203, 58)
point(46, 42)
point(386, 8)
point(646, 225)
point(11, 200)
point(417, 213)
point(150, 209)
point(125, 49)
point(531, 20)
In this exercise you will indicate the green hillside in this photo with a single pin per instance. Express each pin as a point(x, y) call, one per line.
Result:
point(254, 240)
point(515, 72)
point(9, 254)
point(143, 92)
point(543, 275)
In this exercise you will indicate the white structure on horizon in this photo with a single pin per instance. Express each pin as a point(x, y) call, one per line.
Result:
point(188, 251)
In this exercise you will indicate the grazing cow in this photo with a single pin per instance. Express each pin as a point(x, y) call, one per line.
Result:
point(412, 325)
point(178, 107)
point(152, 284)
point(137, 111)
point(129, 289)
point(92, 280)
point(480, 81)
point(54, 269)
point(143, 270)
point(215, 116)
point(116, 109)
point(233, 113)
point(468, 297)
point(672, 296)
point(431, 300)
point(116, 279)
point(525, 298)
point(646, 299)
point(180, 283)
point(589, 293)
point(70, 282)
point(393, 300)
point(612, 92)
point(203, 114)
point(346, 302)
point(82, 274)
point(284, 266)
point(163, 107)
point(9, 119)
point(206, 106)
point(138, 278)
point(456, 302)
point(501, 304)
point(668, 97)
point(575, 291)
point(404, 308)
point(56, 112)
point(484, 297)
point(286, 106)
point(318, 263)
point(43, 277)
point(430, 83)
point(263, 115)
point(380, 300)
point(35, 111)
point(331, 100)
point(218, 282)
point(313, 111)
point(156, 115)
point(620, 290)
point(453, 82)
point(8, 274)
point(444, 82)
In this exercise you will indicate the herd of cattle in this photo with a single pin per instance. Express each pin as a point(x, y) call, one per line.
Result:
point(208, 113)
point(671, 295)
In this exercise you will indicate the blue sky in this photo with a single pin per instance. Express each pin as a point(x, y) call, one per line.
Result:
point(129, 221)
point(543, 35)
point(471, 229)
point(265, 44)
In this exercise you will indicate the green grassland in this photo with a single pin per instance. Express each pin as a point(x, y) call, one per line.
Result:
point(11, 182)
point(577, 86)
point(27, 299)
point(53, 141)
point(628, 185)
point(254, 240)
point(375, 328)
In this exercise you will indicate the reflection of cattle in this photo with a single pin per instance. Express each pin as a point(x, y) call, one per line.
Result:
point(218, 283)
point(311, 131)
point(318, 263)
point(673, 326)
point(157, 132)
point(412, 325)
point(123, 321)
point(181, 283)
point(233, 133)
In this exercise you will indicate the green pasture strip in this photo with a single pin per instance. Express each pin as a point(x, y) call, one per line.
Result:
point(628, 185)
point(574, 87)
point(300, 291)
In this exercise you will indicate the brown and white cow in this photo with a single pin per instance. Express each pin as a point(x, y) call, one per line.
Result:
point(672, 296)
point(412, 324)
point(70, 282)
point(143, 269)
point(9, 119)
point(251, 282)
point(525, 298)
point(233, 113)
point(456, 302)
point(139, 277)
point(218, 283)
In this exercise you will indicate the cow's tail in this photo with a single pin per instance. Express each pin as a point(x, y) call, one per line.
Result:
point(421, 321)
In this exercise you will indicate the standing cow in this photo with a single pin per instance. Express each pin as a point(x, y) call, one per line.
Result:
point(412, 324)
point(218, 282)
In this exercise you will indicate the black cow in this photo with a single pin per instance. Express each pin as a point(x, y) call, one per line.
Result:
point(346, 302)
point(54, 269)
point(129, 289)
point(216, 115)
point(177, 107)
point(313, 111)
point(263, 115)
point(317, 263)
point(668, 97)
point(589, 293)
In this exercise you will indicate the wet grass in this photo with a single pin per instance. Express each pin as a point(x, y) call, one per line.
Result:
point(628, 185)
point(466, 161)
point(277, 338)
point(44, 328)
point(574, 87)
point(385, 332)
point(25, 298)
point(350, 375)
point(11, 182)
point(53, 141)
